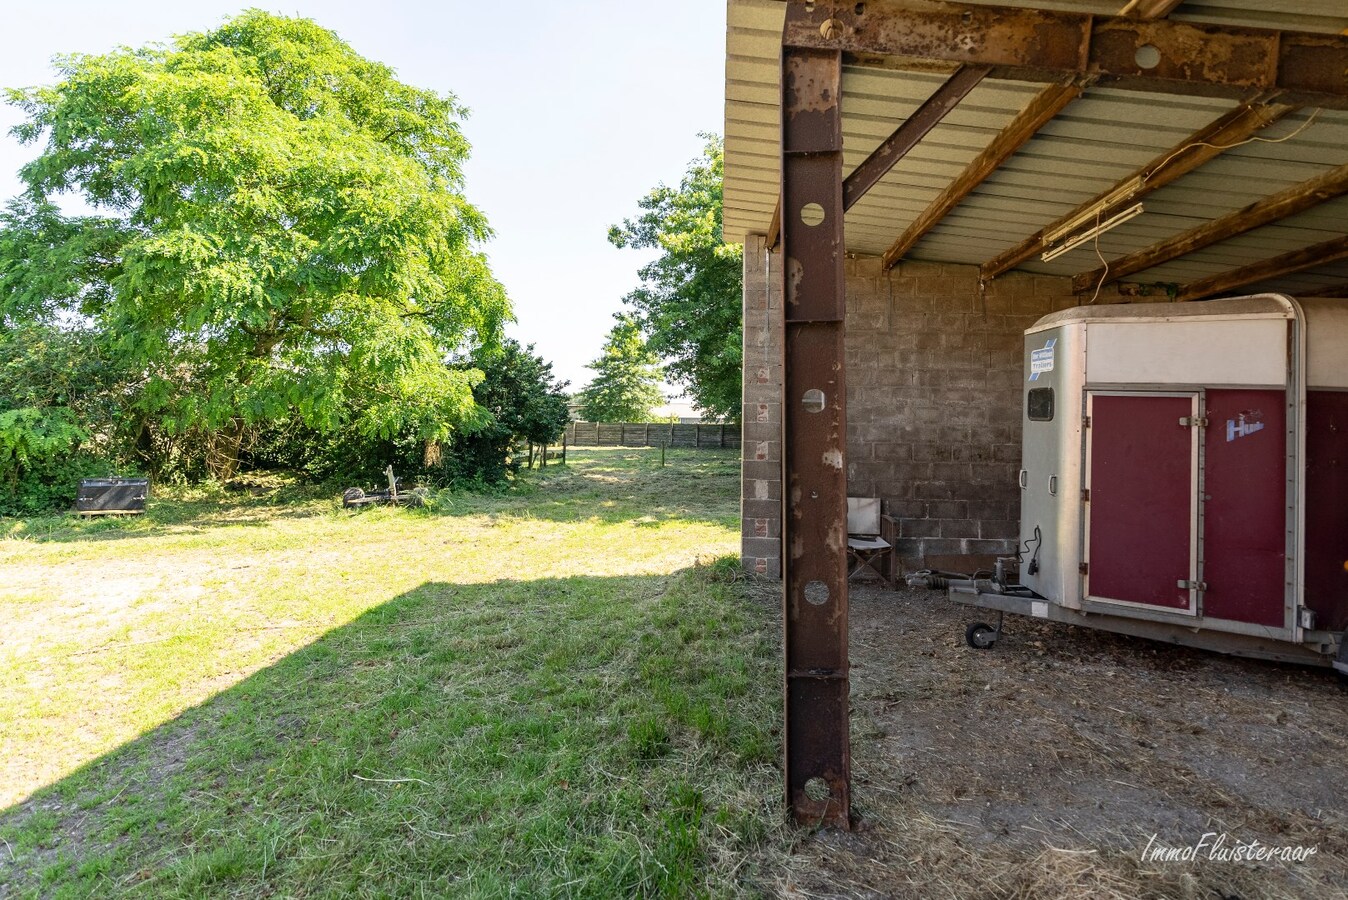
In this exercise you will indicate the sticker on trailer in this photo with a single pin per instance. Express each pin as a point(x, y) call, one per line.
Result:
point(1041, 360)
point(1243, 425)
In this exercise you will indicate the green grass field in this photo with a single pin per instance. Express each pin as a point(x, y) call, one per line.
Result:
point(555, 691)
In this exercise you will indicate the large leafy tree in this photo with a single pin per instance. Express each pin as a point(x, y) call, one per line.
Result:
point(526, 403)
point(279, 230)
point(626, 384)
point(689, 301)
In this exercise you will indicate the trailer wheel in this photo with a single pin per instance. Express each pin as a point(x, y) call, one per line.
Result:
point(351, 495)
point(980, 636)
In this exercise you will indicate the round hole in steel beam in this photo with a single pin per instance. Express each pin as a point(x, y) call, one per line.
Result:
point(859, 9)
point(1147, 57)
point(813, 400)
point(812, 214)
point(817, 790)
point(816, 593)
point(809, 5)
point(830, 29)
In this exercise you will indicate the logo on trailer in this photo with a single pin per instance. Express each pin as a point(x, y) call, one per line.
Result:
point(1041, 360)
point(1243, 425)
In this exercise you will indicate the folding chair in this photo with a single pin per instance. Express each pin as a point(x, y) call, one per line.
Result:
point(866, 550)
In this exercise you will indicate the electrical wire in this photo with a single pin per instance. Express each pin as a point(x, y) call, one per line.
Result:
point(1104, 274)
point(1249, 140)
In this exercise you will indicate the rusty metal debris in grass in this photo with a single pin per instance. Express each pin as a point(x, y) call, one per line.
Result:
point(395, 495)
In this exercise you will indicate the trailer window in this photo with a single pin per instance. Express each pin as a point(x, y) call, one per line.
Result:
point(1039, 405)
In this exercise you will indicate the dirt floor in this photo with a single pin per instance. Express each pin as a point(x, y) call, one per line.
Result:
point(1044, 766)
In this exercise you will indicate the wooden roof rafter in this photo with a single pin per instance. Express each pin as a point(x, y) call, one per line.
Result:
point(1295, 199)
point(1038, 113)
point(1236, 126)
point(1266, 269)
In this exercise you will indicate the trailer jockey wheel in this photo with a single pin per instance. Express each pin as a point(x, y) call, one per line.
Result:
point(980, 636)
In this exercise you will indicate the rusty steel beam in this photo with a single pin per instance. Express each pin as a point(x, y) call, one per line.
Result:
point(1040, 111)
point(1189, 154)
point(912, 130)
point(1296, 199)
point(1287, 264)
point(1160, 55)
point(814, 438)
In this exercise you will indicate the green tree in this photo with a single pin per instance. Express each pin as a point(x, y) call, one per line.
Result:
point(626, 384)
point(280, 231)
point(689, 301)
point(60, 395)
point(527, 404)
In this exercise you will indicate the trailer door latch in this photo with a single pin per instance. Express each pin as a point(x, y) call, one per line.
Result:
point(1199, 586)
point(1193, 422)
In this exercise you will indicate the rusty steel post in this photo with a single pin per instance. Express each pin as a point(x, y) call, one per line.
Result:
point(814, 438)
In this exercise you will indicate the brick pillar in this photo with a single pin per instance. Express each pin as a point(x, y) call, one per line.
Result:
point(761, 441)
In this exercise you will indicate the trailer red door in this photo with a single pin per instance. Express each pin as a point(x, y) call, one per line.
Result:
point(1140, 511)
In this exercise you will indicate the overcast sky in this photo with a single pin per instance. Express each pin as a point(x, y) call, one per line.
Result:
point(578, 109)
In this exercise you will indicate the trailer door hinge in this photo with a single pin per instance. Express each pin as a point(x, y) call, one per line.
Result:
point(1306, 617)
point(1193, 422)
point(1085, 421)
point(1084, 568)
point(1187, 585)
point(1086, 495)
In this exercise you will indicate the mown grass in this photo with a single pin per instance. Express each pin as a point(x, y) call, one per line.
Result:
point(536, 693)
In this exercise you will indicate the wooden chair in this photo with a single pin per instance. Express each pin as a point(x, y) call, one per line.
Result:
point(867, 549)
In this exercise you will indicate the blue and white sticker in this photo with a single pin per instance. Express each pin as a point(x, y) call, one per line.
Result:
point(1041, 360)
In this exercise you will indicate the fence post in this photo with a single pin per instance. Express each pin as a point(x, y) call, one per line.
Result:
point(662, 454)
point(721, 437)
point(563, 448)
point(543, 457)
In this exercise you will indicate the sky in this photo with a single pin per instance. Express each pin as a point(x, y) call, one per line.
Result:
point(578, 110)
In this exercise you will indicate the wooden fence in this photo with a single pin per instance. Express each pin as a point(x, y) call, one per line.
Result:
point(651, 434)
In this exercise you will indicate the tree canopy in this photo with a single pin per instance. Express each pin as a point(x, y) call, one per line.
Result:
point(279, 229)
point(689, 301)
point(626, 385)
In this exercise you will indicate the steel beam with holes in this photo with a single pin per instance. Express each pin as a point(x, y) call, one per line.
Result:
point(814, 437)
point(1160, 55)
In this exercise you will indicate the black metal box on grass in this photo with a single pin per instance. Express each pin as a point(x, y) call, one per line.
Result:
point(112, 495)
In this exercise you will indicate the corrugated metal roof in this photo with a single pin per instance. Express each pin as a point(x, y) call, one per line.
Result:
point(1096, 141)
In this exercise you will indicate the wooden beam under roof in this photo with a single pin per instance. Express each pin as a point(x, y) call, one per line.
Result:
point(1149, 9)
point(1201, 146)
point(1041, 110)
point(1296, 199)
point(1286, 264)
point(912, 130)
point(1333, 290)
point(1159, 55)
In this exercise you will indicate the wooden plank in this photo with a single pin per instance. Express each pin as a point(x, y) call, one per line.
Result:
point(1296, 261)
point(1195, 150)
point(1149, 9)
point(1041, 110)
point(1295, 199)
point(912, 130)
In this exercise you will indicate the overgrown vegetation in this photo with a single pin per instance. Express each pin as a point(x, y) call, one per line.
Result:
point(537, 693)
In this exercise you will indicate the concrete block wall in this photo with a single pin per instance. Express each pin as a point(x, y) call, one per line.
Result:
point(933, 404)
point(934, 400)
point(761, 447)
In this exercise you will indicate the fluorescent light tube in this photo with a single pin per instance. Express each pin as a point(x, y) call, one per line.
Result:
point(1113, 221)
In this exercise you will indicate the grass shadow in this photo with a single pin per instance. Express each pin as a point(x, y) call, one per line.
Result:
point(573, 736)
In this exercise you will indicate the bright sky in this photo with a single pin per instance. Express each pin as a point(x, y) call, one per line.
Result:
point(578, 109)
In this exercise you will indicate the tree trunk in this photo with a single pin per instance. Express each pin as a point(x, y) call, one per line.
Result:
point(432, 454)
